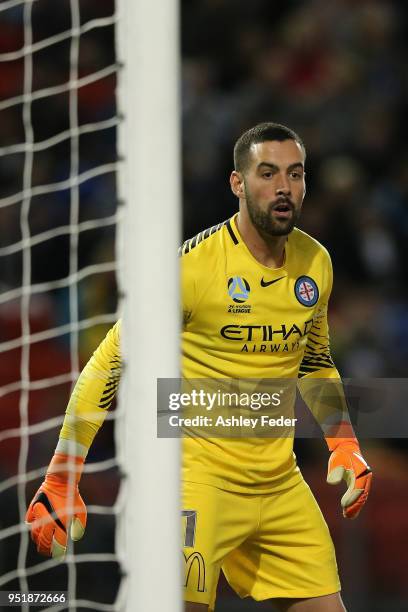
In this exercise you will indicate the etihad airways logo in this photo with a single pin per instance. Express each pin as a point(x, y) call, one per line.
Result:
point(265, 333)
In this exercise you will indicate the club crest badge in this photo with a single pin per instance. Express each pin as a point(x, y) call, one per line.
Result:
point(306, 291)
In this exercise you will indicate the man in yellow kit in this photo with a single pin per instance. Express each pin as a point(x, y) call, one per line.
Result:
point(246, 506)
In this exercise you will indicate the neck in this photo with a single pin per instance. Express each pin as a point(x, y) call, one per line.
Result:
point(268, 250)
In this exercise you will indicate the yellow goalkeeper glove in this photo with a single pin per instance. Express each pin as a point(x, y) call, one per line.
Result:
point(346, 463)
point(57, 504)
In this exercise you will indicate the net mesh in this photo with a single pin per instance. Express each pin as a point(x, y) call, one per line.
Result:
point(58, 292)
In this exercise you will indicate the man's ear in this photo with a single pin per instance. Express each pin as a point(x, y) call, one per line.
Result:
point(237, 184)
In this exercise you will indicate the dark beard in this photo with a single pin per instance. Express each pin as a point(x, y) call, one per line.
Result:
point(265, 224)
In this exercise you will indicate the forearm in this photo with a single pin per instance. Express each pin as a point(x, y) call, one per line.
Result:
point(323, 393)
point(91, 398)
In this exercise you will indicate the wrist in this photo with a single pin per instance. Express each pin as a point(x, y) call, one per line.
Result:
point(65, 468)
point(341, 435)
point(344, 443)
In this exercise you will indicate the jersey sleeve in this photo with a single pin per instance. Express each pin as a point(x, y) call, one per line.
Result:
point(319, 382)
point(317, 360)
point(92, 395)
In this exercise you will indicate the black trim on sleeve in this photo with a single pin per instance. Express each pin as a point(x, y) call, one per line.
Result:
point(231, 232)
point(191, 243)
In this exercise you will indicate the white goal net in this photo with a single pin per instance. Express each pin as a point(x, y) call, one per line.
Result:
point(59, 220)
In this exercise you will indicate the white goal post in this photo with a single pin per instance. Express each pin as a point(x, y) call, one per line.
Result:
point(149, 183)
point(147, 220)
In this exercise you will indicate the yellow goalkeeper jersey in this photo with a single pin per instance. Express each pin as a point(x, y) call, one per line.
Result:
point(242, 320)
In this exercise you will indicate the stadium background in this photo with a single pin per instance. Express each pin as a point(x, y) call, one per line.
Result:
point(336, 73)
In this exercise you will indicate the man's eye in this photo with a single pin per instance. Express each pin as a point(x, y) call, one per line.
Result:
point(296, 175)
point(267, 174)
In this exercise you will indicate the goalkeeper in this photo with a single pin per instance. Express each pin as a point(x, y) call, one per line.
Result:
point(256, 518)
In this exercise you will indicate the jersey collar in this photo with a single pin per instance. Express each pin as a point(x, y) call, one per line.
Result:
point(237, 240)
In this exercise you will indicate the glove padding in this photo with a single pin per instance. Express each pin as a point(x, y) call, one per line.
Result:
point(57, 504)
point(346, 463)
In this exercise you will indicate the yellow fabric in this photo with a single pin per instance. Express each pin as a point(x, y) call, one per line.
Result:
point(279, 337)
point(270, 546)
point(94, 391)
point(271, 334)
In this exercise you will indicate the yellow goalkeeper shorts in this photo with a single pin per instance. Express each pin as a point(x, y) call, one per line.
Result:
point(268, 546)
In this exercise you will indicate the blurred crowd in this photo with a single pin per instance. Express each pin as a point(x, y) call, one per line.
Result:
point(51, 164)
point(51, 258)
point(333, 71)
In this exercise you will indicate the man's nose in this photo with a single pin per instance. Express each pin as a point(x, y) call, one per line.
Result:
point(283, 186)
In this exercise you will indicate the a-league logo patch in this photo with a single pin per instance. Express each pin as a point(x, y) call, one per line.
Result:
point(238, 289)
point(306, 291)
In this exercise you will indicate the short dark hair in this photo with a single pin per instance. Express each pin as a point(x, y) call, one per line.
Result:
point(261, 133)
